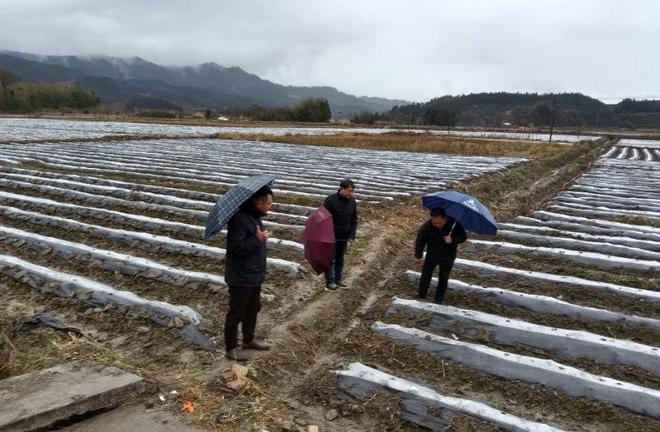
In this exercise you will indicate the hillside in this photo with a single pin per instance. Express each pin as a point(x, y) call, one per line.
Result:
point(137, 83)
point(523, 109)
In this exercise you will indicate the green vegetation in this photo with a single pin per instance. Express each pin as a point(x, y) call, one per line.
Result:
point(158, 114)
point(312, 110)
point(208, 113)
point(496, 109)
point(423, 143)
point(635, 106)
point(19, 96)
point(518, 109)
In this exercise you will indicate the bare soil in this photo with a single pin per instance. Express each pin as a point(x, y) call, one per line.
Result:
point(316, 332)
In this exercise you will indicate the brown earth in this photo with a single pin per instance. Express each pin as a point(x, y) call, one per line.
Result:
point(316, 332)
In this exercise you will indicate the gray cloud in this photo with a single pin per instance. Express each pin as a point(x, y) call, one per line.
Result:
point(411, 50)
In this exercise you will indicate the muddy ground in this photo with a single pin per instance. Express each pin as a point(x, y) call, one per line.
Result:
point(316, 332)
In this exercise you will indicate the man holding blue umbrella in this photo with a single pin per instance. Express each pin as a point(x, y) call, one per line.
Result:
point(440, 235)
point(451, 214)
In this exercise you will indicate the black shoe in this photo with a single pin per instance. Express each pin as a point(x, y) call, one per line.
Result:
point(257, 345)
point(331, 287)
point(237, 355)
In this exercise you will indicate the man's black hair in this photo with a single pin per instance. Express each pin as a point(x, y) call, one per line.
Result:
point(262, 193)
point(438, 212)
point(346, 183)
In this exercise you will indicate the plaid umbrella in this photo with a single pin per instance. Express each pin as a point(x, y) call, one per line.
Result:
point(229, 203)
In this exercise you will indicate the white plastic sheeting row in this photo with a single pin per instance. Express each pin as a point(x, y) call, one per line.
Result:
point(580, 225)
point(311, 171)
point(49, 129)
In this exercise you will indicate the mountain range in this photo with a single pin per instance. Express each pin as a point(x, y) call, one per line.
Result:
point(141, 84)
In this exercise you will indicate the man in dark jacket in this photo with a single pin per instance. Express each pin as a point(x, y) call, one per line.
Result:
point(245, 271)
point(343, 208)
point(440, 235)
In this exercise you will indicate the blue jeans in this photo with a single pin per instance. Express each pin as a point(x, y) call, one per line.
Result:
point(334, 272)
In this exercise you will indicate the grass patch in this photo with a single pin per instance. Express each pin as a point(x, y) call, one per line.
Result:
point(424, 143)
point(526, 187)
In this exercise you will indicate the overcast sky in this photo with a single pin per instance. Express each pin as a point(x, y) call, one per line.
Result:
point(407, 49)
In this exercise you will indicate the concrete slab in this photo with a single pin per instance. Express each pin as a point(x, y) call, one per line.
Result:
point(39, 399)
point(132, 418)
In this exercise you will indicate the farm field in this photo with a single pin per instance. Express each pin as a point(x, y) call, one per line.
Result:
point(553, 324)
point(537, 320)
point(27, 130)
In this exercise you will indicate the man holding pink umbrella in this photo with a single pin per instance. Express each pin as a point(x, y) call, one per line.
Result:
point(343, 208)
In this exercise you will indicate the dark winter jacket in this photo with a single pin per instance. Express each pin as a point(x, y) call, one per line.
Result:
point(437, 251)
point(344, 215)
point(245, 262)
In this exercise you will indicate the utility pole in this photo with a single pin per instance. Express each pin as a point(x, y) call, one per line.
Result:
point(578, 129)
point(552, 116)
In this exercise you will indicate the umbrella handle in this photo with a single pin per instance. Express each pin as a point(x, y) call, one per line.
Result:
point(452, 228)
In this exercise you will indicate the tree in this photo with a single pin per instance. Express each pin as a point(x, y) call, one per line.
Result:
point(312, 110)
point(208, 114)
point(369, 118)
point(440, 117)
point(542, 114)
point(23, 96)
point(6, 79)
point(308, 110)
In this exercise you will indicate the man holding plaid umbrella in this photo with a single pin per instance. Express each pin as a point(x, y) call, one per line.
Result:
point(242, 208)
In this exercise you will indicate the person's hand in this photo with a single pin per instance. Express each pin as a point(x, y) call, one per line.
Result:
point(262, 235)
point(448, 239)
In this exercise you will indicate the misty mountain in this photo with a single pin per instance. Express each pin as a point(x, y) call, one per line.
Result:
point(137, 83)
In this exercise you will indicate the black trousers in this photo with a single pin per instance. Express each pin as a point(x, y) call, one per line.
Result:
point(443, 278)
point(244, 305)
point(334, 273)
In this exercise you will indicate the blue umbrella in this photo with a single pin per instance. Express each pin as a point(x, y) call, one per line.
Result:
point(467, 210)
point(229, 203)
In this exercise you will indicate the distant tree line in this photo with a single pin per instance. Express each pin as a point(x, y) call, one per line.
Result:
point(21, 96)
point(638, 106)
point(371, 118)
point(159, 114)
point(313, 110)
point(520, 109)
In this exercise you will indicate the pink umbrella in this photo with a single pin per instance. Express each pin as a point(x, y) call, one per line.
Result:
point(319, 239)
